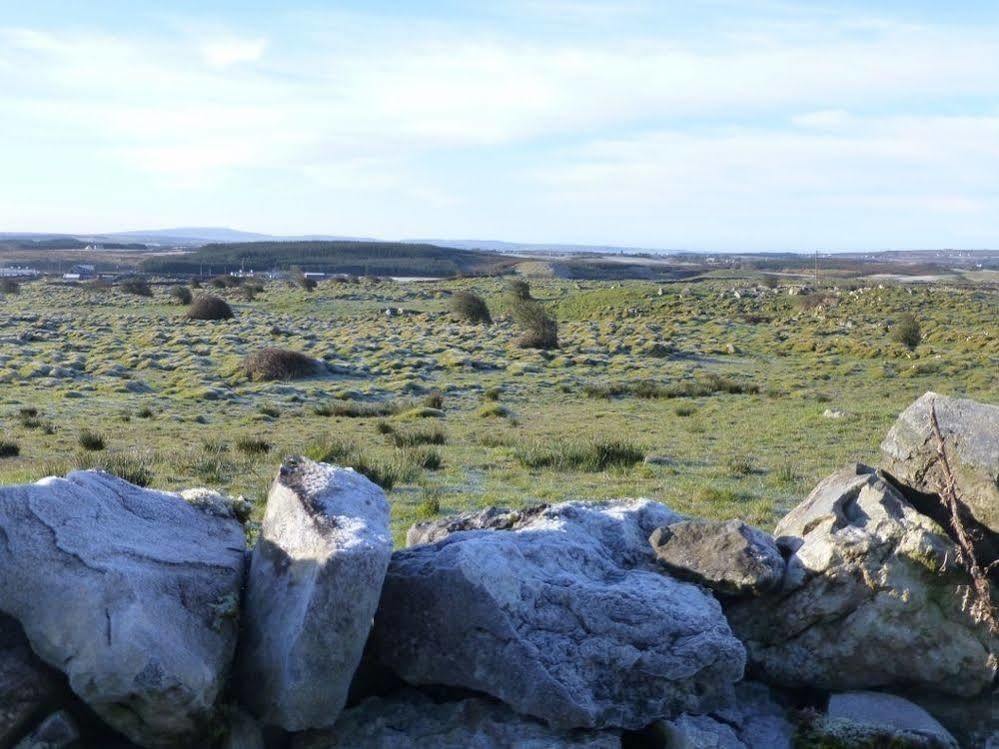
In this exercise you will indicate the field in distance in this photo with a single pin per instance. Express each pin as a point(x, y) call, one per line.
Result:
point(721, 397)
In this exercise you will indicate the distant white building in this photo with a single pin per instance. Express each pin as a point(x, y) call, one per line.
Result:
point(18, 272)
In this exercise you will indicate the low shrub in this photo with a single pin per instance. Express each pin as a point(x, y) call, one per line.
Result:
point(278, 364)
point(426, 458)
point(182, 294)
point(907, 331)
point(90, 440)
point(492, 394)
point(595, 456)
point(430, 505)
point(136, 286)
point(470, 308)
point(518, 288)
point(493, 411)
point(434, 399)
point(208, 307)
point(540, 331)
point(9, 449)
point(9, 286)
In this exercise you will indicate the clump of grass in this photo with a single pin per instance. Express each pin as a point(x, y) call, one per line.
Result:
point(598, 455)
point(430, 505)
point(90, 440)
point(684, 411)
point(182, 294)
point(27, 417)
point(426, 458)
point(278, 364)
point(702, 386)
point(252, 445)
point(354, 409)
point(434, 399)
point(144, 413)
point(210, 463)
point(9, 448)
point(384, 427)
point(470, 308)
point(329, 449)
point(785, 474)
point(739, 465)
point(208, 307)
point(136, 286)
point(540, 331)
point(268, 410)
point(493, 411)
point(417, 437)
point(492, 394)
point(9, 286)
point(133, 466)
point(907, 331)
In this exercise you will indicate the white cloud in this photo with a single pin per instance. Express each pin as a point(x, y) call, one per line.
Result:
point(221, 53)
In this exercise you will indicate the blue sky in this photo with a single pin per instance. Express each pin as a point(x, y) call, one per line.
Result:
point(749, 125)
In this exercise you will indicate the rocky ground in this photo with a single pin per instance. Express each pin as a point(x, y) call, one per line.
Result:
point(136, 617)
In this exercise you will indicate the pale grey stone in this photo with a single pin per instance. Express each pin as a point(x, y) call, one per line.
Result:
point(313, 588)
point(565, 618)
point(888, 711)
point(131, 592)
point(872, 597)
point(58, 731)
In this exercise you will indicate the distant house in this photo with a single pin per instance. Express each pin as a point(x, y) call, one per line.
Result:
point(94, 248)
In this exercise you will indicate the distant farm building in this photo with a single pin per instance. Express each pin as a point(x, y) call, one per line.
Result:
point(80, 273)
point(18, 272)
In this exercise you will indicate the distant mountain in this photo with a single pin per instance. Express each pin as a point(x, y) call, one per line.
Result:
point(216, 234)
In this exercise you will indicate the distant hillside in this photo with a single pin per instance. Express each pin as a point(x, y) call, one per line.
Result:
point(357, 258)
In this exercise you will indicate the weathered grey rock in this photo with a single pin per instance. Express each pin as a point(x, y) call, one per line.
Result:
point(871, 597)
point(623, 526)
point(729, 557)
point(27, 686)
point(411, 720)
point(313, 588)
point(971, 439)
point(753, 721)
point(58, 731)
point(971, 721)
point(131, 592)
point(887, 711)
point(565, 619)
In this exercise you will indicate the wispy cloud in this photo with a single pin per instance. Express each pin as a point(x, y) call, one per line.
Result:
point(652, 129)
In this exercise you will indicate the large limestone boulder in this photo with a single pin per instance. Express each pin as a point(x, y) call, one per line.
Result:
point(313, 588)
point(410, 720)
point(872, 597)
point(729, 557)
point(970, 431)
point(133, 593)
point(565, 618)
point(28, 688)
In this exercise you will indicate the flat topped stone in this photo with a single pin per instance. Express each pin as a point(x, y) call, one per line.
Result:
point(887, 710)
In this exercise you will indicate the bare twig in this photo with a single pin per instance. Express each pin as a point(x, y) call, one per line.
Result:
point(982, 608)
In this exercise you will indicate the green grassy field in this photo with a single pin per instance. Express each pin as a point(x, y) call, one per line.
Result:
point(647, 367)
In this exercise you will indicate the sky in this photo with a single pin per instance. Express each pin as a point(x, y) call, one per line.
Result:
point(752, 125)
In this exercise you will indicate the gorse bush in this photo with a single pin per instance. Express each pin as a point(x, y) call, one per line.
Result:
point(598, 455)
point(470, 308)
point(278, 364)
point(209, 307)
point(540, 330)
point(907, 331)
point(182, 294)
point(136, 286)
point(9, 286)
point(9, 448)
point(518, 288)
